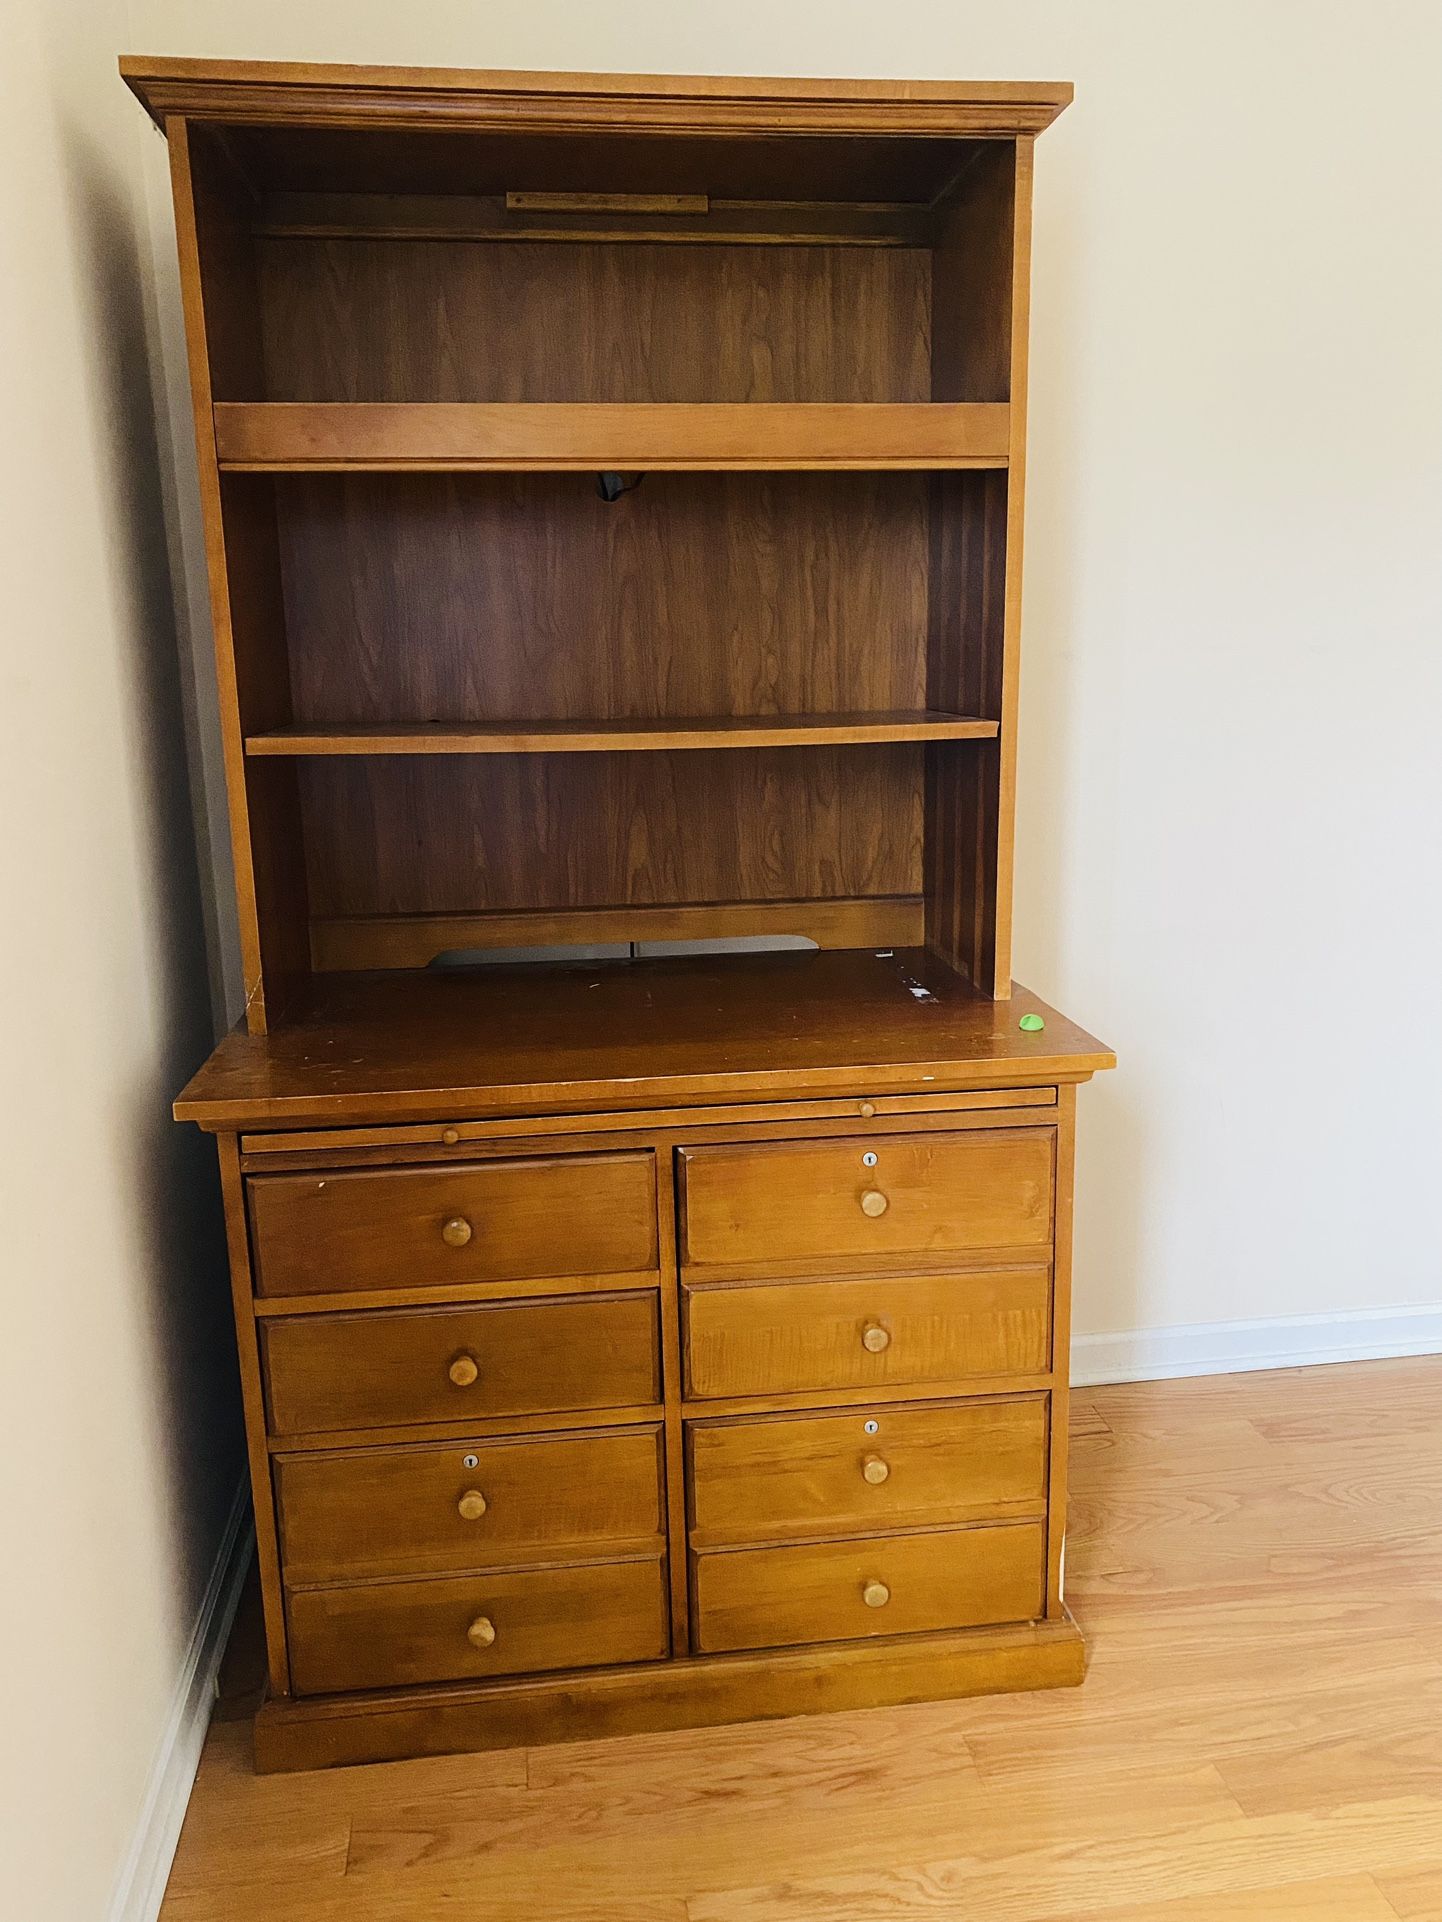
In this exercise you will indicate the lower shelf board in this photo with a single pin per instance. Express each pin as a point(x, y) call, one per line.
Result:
point(583, 1705)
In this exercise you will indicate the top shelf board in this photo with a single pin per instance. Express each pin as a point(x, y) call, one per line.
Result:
point(450, 436)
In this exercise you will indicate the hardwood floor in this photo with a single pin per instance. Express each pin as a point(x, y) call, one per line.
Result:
point(1257, 1561)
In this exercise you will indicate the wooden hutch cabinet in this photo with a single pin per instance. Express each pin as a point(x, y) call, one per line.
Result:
point(613, 499)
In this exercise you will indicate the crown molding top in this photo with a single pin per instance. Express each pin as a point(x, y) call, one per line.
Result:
point(265, 92)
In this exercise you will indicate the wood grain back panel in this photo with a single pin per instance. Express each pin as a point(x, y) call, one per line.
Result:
point(438, 834)
point(528, 597)
point(771, 1597)
point(422, 1511)
point(412, 320)
point(401, 1227)
point(867, 1471)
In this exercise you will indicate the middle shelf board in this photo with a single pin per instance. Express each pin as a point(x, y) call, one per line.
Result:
point(458, 436)
point(609, 737)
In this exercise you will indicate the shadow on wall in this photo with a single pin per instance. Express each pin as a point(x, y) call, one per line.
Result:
point(176, 1188)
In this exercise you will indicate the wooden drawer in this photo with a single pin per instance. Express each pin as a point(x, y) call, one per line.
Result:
point(806, 1476)
point(388, 1634)
point(394, 1366)
point(818, 1202)
point(433, 1227)
point(889, 1585)
point(788, 1337)
point(422, 1511)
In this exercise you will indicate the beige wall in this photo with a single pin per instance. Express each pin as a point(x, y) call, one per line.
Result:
point(118, 1457)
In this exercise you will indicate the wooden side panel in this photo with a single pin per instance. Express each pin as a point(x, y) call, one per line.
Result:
point(980, 340)
point(964, 779)
point(219, 298)
point(410, 320)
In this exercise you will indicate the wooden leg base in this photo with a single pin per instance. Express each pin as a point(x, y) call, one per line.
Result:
point(337, 1731)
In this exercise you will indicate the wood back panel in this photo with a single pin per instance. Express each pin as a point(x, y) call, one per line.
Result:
point(445, 834)
point(528, 597)
point(412, 320)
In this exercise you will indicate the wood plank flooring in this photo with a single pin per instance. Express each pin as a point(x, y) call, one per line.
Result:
point(1257, 1561)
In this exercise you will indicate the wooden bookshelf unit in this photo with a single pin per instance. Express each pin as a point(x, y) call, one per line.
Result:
point(613, 502)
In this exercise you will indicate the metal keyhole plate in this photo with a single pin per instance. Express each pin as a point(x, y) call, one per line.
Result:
point(871, 1428)
point(868, 1160)
point(470, 1461)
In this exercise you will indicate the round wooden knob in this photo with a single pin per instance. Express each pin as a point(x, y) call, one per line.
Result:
point(456, 1232)
point(482, 1632)
point(450, 1137)
point(471, 1506)
point(874, 1203)
point(464, 1370)
point(875, 1595)
point(874, 1338)
point(868, 1109)
point(874, 1469)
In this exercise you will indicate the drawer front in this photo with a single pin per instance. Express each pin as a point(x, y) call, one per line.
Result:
point(395, 1366)
point(470, 1627)
point(888, 1330)
point(818, 1201)
point(422, 1511)
point(815, 1475)
point(890, 1585)
point(430, 1227)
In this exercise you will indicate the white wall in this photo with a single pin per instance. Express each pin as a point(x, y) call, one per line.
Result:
point(1230, 787)
point(118, 1429)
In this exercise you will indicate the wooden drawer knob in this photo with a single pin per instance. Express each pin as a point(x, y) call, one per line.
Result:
point(482, 1632)
point(464, 1370)
point(450, 1137)
point(456, 1232)
point(876, 1594)
point(874, 1469)
point(874, 1203)
point(875, 1339)
point(868, 1109)
point(471, 1506)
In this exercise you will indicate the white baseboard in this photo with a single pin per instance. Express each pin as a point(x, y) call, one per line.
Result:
point(1233, 1347)
point(140, 1887)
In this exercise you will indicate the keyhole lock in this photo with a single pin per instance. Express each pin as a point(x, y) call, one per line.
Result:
point(868, 1160)
point(867, 1428)
point(470, 1461)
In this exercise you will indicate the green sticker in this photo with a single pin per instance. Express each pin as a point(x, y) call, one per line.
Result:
point(1031, 1024)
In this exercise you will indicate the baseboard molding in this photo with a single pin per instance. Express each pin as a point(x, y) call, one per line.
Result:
point(1234, 1347)
point(140, 1887)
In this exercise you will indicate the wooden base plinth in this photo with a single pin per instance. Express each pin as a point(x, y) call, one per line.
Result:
point(337, 1732)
